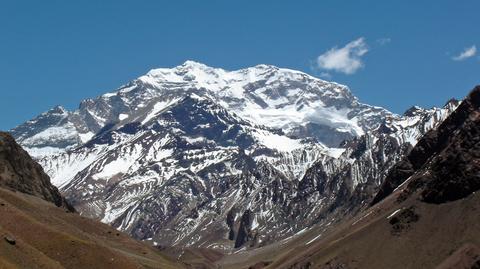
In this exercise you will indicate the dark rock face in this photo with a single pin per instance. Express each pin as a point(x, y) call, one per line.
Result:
point(456, 170)
point(445, 163)
point(19, 172)
point(398, 174)
point(403, 220)
point(230, 222)
point(244, 232)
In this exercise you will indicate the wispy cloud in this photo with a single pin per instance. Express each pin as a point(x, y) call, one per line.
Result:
point(347, 59)
point(466, 53)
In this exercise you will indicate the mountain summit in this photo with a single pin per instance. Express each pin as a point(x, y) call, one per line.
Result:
point(301, 105)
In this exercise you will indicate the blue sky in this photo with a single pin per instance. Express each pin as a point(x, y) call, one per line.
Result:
point(390, 53)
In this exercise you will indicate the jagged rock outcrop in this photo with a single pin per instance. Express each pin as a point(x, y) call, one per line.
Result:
point(244, 230)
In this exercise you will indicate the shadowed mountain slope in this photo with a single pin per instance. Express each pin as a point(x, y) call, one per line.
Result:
point(448, 156)
point(19, 172)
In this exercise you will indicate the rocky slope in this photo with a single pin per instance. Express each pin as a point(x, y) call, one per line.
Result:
point(19, 172)
point(200, 156)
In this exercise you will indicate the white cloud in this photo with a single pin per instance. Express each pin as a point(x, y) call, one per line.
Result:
point(466, 53)
point(346, 60)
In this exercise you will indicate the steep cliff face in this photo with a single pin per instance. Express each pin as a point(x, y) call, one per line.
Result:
point(19, 172)
point(445, 162)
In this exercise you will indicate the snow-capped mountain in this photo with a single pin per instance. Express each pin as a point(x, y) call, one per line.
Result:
point(295, 102)
point(195, 155)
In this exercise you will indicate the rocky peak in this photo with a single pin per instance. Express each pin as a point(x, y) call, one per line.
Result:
point(58, 110)
point(413, 111)
point(191, 65)
point(452, 103)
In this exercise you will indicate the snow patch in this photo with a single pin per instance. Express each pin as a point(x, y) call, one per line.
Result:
point(159, 106)
point(394, 213)
point(277, 142)
point(52, 134)
point(115, 167)
point(315, 238)
point(335, 152)
point(43, 152)
point(85, 137)
point(122, 116)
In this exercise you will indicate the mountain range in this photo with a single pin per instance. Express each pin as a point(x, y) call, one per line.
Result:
point(201, 157)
